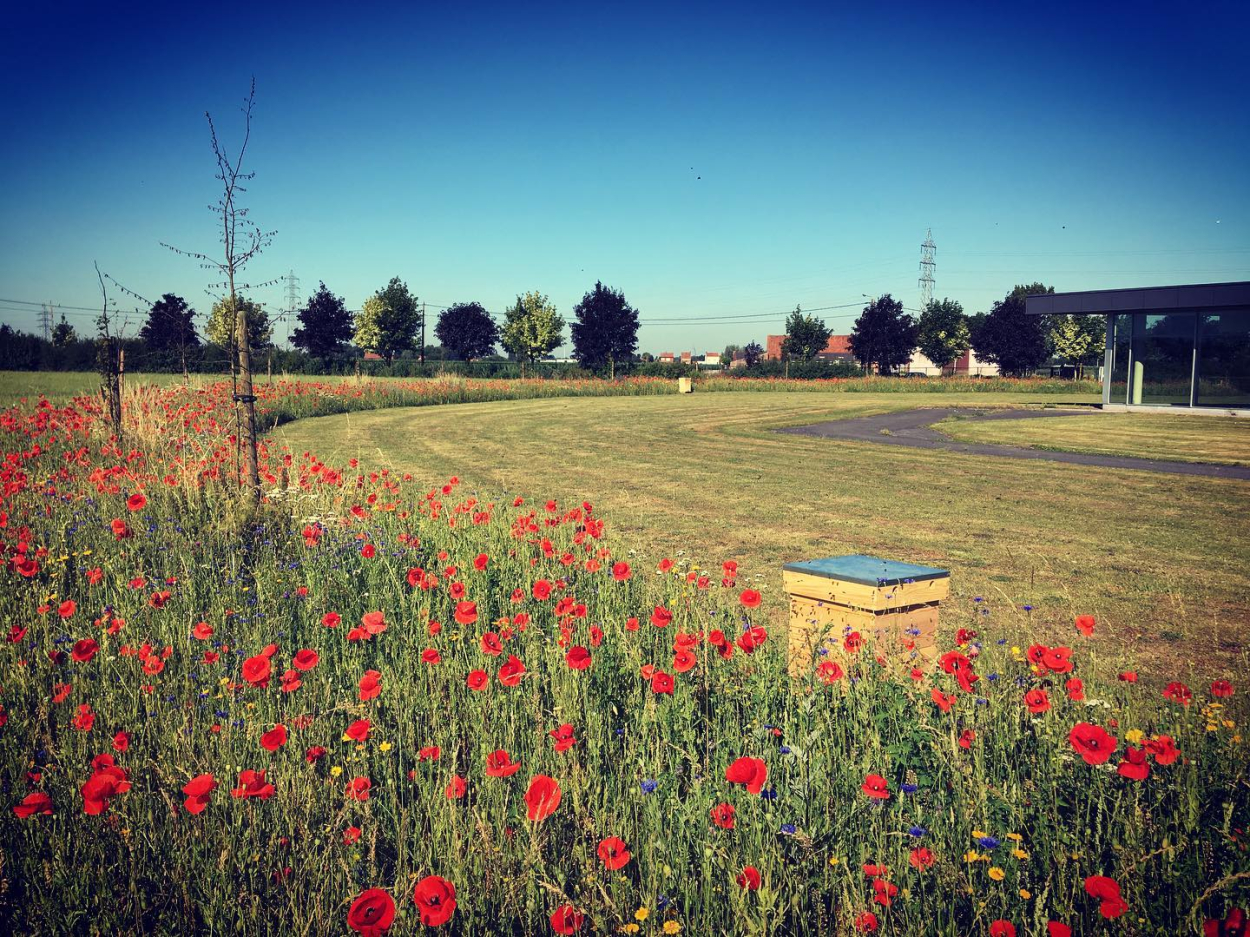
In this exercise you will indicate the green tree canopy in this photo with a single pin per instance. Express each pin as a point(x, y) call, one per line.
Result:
point(221, 324)
point(884, 336)
point(806, 336)
point(532, 328)
point(389, 326)
point(606, 330)
point(170, 325)
point(325, 324)
point(1016, 342)
point(467, 331)
point(942, 332)
point(63, 334)
point(753, 352)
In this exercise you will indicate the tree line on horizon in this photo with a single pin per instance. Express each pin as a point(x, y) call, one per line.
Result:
point(885, 336)
point(604, 332)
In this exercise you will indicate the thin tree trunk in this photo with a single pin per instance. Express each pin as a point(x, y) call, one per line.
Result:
point(251, 470)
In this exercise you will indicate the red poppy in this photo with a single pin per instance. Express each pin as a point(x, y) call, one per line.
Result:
point(1163, 749)
point(331, 619)
point(305, 660)
point(137, 501)
point(1221, 689)
point(566, 919)
point(865, 922)
point(578, 658)
point(749, 878)
point(853, 642)
point(499, 764)
point(455, 790)
point(1001, 928)
point(613, 853)
point(372, 913)
point(274, 739)
point(1037, 701)
point(944, 702)
point(480, 562)
point(684, 661)
point(1085, 625)
point(106, 782)
point(1076, 689)
point(256, 670)
point(661, 617)
point(1134, 766)
point(1128, 676)
point(749, 598)
point(883, 892)
point(1178, 693)
point(358, 788)
point(1107, 891)
point(36, 803)
point(198, 790)
point(1093, 743)
point(67, 608)
point(511, 672)
point(253, 784)
point(723, 816)
point(542, 590)
point(374, 623)
point(431, 656)
point(436, 899)
point(620, 571)
point(661, 682)
point(1057, 929)
point(921, 858)
point(1058, 659)
point(370, 685)
point(358, 731)
point(466, 612)
point(752, 772)
point(202, 631)
point(830, 671)
point(314, 754)
point(752, 639)
point(563, 736)
point(875, 786)
point(1233, 925)
point(121, 741)
point(542, 797)
point(84, 650)
point(477, 679)
point(491, 644)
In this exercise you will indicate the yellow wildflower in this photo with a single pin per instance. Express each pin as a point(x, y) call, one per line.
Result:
point(833, 860)
point(997, 874)
point(1015, 837)
point(630, 928)
point(1135, 736)
point(978, 834)
point(1025, 894)
point(385, 746)
point(672, 927)
point(1019, 853)
point(335, 771)
point(641, 914)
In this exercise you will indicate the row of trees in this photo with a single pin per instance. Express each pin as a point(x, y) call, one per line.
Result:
point(389, 323)
point(885, 337)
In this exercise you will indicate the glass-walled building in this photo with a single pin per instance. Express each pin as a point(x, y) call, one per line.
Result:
point(1172, 346)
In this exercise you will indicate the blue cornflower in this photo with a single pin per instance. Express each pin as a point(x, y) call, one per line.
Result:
point(648, 786)
point(769, 793)
point(789, 829)
point(1028, 608)
point(987, 842)
point(910, 788)
point(991, 677)
point(917, 831)
point(784, 749)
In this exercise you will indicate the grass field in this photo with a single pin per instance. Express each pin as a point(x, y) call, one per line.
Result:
point(1160, 559)
point(1218, 440)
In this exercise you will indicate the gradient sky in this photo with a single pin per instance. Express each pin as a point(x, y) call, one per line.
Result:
point(713, 161)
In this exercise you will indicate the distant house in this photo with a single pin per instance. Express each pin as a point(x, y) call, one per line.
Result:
point(838, 348)
point(739, 361)
point(372, 356)
point(967, 365)
point(666, 357)
point(712, 359)
point(685, 357)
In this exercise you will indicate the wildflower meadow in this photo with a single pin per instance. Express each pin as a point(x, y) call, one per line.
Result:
point(384, 703)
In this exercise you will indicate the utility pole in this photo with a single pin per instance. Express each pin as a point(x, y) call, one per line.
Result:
point(45, 320)
point(423, 334)
point(927, 266)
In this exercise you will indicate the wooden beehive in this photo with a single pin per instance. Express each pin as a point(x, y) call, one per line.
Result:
point(895, 604)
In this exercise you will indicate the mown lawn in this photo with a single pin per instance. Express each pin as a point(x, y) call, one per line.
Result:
point(1161, 560)
point(1218, 440)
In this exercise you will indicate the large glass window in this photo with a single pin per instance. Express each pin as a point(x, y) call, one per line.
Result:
point(1121, 337)
point(1163, 359)
point(1224, 360)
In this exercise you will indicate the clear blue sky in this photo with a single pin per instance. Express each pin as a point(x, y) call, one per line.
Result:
point(719, 160)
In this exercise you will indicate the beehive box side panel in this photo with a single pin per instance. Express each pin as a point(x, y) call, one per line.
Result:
point(815, 623)
point(859, 595)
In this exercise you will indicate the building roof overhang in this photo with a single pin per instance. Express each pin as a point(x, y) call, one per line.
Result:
point(1161, 299)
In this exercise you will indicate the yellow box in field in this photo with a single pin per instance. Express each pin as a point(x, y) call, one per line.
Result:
point(895, 604)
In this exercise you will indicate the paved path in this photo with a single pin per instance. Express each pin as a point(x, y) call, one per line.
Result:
point(914, 428)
